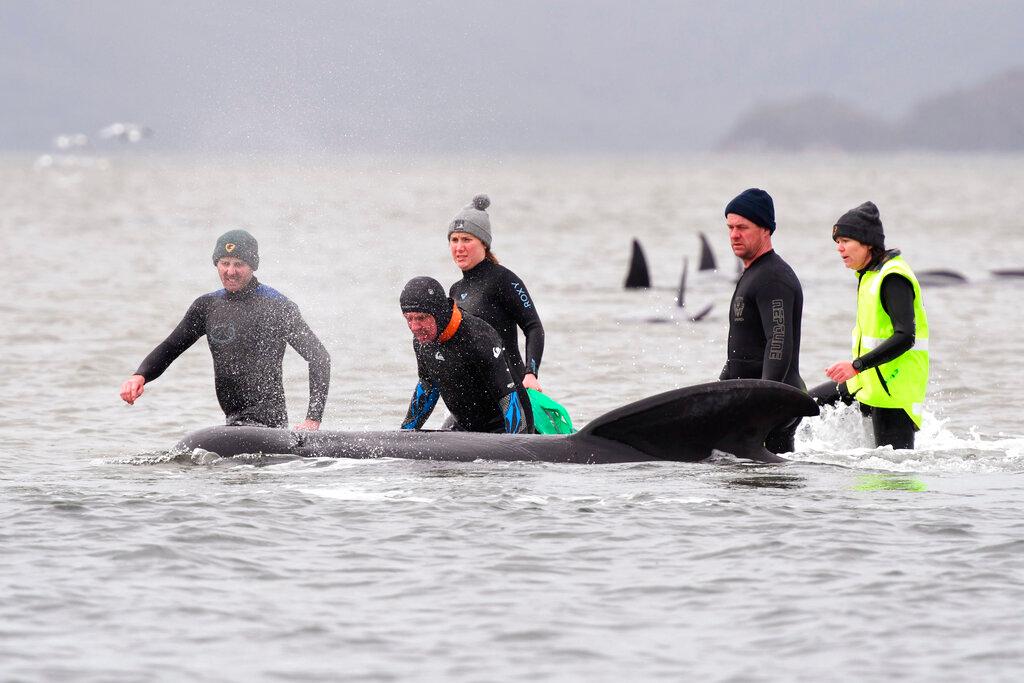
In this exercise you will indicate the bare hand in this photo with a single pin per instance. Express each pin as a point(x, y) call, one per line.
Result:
point(307, 426)
point(530, 382)
point(841, 371)
point(132, 389)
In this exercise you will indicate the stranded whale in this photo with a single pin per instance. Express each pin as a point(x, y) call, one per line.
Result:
point(682, 425)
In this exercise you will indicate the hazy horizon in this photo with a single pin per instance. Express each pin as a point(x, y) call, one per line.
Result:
point(480, 77)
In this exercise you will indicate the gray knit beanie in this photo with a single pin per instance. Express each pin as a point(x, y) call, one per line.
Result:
point(474, 219)
point(238, 244)
point(862, 223)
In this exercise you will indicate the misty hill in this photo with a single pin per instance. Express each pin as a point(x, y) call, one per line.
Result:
point(986, 117)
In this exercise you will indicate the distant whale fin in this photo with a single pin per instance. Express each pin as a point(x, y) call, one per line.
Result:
point(1008, 273)
point(732, 416)
point(940, 278)
point(638, 276)
point(707, 258)
point(681, 294)
point(697, 317)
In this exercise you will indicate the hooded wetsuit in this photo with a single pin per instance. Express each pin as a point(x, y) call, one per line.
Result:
point(469, 370)
point(495, 294)
point(764, 332)
point(247, 332)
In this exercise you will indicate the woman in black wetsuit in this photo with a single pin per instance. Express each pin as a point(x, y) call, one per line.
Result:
point(493, 292)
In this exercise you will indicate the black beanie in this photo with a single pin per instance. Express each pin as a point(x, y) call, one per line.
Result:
point(862, 224)
point(426, 295)
point(237, 244)
point(756, 206)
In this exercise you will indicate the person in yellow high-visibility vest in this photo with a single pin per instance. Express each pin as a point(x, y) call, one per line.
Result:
point(888, 373)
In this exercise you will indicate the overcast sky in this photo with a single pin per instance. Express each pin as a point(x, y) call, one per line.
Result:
point(473, 76)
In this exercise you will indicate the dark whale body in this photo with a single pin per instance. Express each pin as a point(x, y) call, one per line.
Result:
point(683, 425)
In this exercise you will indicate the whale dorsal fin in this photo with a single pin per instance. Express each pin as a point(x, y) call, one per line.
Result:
point(638, 276)
point(707, 257)
point(732, 416)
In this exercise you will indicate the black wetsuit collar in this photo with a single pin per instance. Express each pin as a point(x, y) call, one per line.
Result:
point(758, 259)
point(245, 291)
point(877, 263)
point(479, 270)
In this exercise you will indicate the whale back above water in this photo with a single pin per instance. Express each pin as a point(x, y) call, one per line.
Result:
point(682, 425)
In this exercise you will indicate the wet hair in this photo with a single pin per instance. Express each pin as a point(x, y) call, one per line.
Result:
point(490, 256)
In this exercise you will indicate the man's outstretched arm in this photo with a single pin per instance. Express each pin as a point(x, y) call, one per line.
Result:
point(188, 331)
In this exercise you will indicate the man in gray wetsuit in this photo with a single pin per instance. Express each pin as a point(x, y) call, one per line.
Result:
point(247, 325)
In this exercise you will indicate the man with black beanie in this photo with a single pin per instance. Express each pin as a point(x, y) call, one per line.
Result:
point(888, 373)
point(460, 358)
point(767, 306)
point(247, 325)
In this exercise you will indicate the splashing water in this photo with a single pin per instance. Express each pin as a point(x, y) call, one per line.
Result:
point(841, 435)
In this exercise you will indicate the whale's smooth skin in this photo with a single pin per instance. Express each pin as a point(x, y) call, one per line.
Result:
point(682, 425)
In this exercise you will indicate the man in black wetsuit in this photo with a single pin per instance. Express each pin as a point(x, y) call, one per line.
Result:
point(764, 318)
point(460, 359)
point(247, 325)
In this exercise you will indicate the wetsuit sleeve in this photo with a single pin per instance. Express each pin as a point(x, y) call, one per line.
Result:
point(898, 302)
point(499, 376)
point(776, 303)
point(514, 414)
point(312, 350)
point(188, 331)
point(424, 398)
point(517, 301)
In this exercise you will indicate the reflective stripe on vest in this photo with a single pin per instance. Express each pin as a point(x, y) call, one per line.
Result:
point(902, 382)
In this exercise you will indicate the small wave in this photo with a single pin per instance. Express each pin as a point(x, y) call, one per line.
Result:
point(155, 458)
point(396, 495)
point(842, 436)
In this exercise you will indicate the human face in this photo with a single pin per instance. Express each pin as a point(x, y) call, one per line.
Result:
point(748, 240)
point(423, 326)
point(235, 273)
point(855, 255)
point(467, 250)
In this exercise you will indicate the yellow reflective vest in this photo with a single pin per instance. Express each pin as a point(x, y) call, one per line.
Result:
point(902, 382)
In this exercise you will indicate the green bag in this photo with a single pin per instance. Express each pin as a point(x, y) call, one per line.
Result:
point(549, 416)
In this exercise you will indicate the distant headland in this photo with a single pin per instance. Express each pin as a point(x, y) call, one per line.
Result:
point(985, 117)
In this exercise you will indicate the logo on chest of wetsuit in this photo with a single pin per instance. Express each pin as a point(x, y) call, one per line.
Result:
point(737, 308)
point(438, 356)
point(223, 333)
point(522, 294)
point(464, 295)
point(497, 351)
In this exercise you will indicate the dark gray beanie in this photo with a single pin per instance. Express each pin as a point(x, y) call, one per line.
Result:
point(474, 219)
point(426, 295)
point(238, 244)
point(862, 224)
point(756, 206)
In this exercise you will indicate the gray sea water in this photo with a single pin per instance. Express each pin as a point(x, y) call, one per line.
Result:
point(122, 562)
